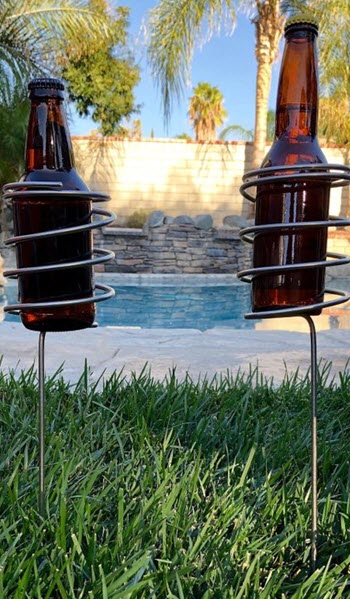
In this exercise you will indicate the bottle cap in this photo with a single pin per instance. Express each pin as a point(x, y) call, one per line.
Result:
point(300, 20)
point(46, 86)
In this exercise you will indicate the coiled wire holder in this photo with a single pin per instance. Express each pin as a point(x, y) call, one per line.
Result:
point(335, 176)
point(39, 190)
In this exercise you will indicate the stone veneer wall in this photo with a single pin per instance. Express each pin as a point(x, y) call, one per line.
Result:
point(177, 247)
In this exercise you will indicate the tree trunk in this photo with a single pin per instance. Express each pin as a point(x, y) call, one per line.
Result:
point(268, 32)
point(263, 84)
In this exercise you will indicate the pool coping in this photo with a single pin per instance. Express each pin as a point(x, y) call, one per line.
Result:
point(167, 279)
point(158, 279)
point(154, 279)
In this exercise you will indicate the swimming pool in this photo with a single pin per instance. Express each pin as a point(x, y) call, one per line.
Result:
point(177, 307)
point(167, 306)
point(189, 303)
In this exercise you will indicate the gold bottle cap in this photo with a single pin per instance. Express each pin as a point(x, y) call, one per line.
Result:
point(302, 19)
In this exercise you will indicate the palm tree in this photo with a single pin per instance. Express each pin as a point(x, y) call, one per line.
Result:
point(269, 22)
point(206, 111)
point(174, 28)
point(32, 32)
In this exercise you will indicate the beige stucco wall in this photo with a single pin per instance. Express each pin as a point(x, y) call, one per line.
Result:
point(173, 175)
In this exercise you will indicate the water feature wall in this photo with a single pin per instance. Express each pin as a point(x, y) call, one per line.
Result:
point(179, 245)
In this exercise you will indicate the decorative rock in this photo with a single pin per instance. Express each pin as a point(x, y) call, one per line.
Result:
point(233, 220)
point(203, 221)
point(183, 219)
point(155, 219)
point(168, 220)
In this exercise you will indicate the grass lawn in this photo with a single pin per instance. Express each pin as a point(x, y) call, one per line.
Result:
point(173, 490)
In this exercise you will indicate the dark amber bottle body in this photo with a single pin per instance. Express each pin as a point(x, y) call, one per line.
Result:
point(295, 144)
point(49, 157)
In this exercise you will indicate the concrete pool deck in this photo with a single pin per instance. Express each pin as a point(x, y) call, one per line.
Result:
point(208, 353)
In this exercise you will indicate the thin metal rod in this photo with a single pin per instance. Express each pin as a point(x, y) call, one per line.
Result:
point(41, 413)
point(313, 374)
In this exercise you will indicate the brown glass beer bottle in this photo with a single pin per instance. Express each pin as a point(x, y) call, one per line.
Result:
point(49, 158)
point(295, 143)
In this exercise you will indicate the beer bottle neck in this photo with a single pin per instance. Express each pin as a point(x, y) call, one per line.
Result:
point(297, 96)
point(48, 143)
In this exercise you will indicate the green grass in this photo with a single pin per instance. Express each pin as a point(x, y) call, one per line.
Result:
point(173, 489)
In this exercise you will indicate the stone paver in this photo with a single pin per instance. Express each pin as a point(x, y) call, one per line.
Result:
point(200, 354)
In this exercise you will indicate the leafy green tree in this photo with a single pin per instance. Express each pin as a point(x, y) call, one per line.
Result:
point(32, 34)
point(35, 36)
point(13, 126)
point(101, 74)
point(206, 111)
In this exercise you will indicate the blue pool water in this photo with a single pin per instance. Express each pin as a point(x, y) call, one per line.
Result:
point(159, 306)
point(180, 306)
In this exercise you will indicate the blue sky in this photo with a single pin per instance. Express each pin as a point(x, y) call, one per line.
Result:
point(226, 61)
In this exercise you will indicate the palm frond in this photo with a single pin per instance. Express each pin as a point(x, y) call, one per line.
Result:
point(173, 28)
point(241, 133)
point(58, 17)
point(31, 30)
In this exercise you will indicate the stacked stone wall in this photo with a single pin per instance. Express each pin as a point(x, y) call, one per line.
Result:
point(177, 247)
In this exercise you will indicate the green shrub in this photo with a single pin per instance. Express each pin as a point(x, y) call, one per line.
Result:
point(137, 219)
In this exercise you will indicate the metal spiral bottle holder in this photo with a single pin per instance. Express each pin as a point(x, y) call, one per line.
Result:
point(335, 176)
point(39, 190)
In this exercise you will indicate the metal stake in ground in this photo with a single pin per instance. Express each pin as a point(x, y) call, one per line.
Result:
point(41, 418)
point(35, 191)
point(313, 402)
point(334, 175)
